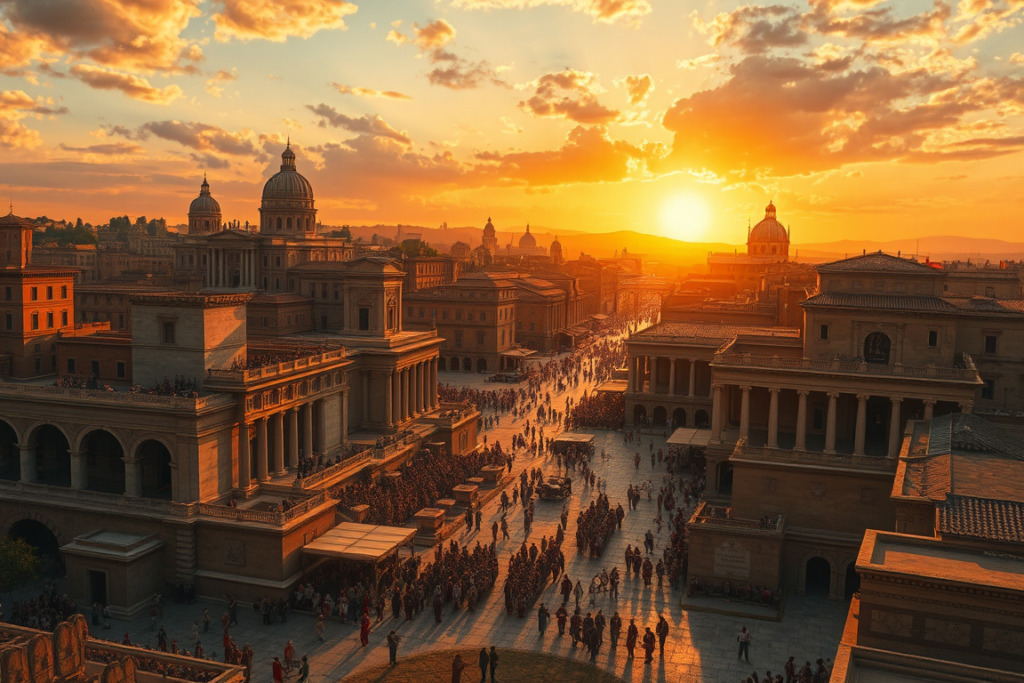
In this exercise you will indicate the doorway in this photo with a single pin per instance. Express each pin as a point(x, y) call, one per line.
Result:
point(818, 578)
point(97, 587)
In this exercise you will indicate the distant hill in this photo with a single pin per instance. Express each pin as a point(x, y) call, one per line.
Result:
point(668, 250)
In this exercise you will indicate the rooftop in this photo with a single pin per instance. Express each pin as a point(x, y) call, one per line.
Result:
point(878, 262)
point(714, 334)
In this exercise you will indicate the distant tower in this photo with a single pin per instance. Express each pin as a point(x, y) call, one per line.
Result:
point(490, 241)
point(204, 212)
point(769, 237)
point(556, 251)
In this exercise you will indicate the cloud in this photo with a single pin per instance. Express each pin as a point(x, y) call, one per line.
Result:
point(782, 116)
point(569, 94)
point(697, 62)
point(397, 38)
point(638, 87)
point(878, 24)
point(456, 73)
point(15, 105)
point(607, 11)
point(209, 161)
point(369, 92)
point(124, 34)
point(365, 125)
point(215, 84)
point(106, 149)
point(131, 85)
point(278, 20)
point(201, 137)
point(434, 35)
point(982, 18)
point(754, 28)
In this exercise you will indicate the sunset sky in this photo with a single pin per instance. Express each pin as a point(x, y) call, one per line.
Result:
point(860, 119)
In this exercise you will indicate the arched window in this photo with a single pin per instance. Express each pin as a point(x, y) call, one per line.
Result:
point(278, 222)
point(289, 222)
point(877, 347)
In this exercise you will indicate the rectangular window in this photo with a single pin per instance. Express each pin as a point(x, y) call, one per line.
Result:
point(444, 314)
point(483, 316)
point(824, 332)
point(9, 319)
point(168, 332)
point(95, 365)
point(71, 366)
point(34, 294)
point(49, 293)
point(63, 291)
point(990, 343)
point(458, 339)
point(933, 338)
point(7, 293)
point(120, 369)
point(364, 318)
point(988, 389)
point(35, 321)
point(49, 321)
point(479, 338)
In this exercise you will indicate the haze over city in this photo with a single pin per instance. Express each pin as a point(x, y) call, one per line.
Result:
point(866, 119)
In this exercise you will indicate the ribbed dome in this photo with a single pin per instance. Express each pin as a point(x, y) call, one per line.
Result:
point(287, 183)
point(527, 241)
point(769, 229)
point(204, 203)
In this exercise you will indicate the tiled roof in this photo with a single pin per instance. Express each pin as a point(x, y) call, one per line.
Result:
point(713, 332)
point(963, 432)
point(891, 302)
point(996, 520)
point(877, 262)
point(984, 304)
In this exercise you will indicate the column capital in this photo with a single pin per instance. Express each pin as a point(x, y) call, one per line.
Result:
point(966, 406)
point(745, 388)
point(833, 394)
point(803, 392)
point(929, 401)
point(774, 390)
point(863, 397)
point(896, 400)
point(717, 386)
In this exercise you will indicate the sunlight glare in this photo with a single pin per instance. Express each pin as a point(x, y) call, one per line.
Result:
point(685, 217)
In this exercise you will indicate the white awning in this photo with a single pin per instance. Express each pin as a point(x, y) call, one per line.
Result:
point(686, 436)
point(360, 542)
point(569, 437)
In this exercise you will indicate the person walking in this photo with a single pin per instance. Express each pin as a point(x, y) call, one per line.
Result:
point(648, 646)
point(662, 630)
point(561, 615)
point(631, 635)
point(743, 639)
point(319, 625)
point(206, 621)
point(484, 662)
point(303, 670)
point(289, 656)
point(278, 671)
point(364, 629)
point(543, 617)
point(393, 640)
point(493, 660)
point(457, 666)
point(614, 628)
point(577, 593)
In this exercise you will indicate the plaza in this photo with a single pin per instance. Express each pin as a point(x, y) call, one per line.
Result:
point(701, 645)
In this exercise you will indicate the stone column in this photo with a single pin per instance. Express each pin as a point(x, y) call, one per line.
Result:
point(652, 373)
point(433, 383)
point(344, 416)
point(320, 420)
point(244, 457)
point(672, 376)
point(862, 423)
point(404, 393)
point(307, 430)
point(29, 468)
point(929, 408)
point(966, 406)
point(894, 427)
point(830, 423)
point(716, 413)
point(293, 437)
point(631, 377)
point(801, 421)
point(261, 449)
point(278, 442)
point(394, 390)
point(132, 477)
point(745, 412)
point(417, 396)
point(692, 388)
point(79, 473)
point(773, 417)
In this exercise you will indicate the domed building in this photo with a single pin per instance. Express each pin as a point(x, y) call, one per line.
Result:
point(204, 212)
point(287, 207)
point(556, 251)
point(769, 237)
point(490, 240)
point(527, 241)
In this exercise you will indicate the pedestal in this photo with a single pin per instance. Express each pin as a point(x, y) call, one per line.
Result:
point(491, 473)
point(465, 494)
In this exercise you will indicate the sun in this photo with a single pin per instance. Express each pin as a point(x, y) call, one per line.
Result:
point(685, 217)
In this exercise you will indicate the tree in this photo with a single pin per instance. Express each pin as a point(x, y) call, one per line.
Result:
point(19, 563)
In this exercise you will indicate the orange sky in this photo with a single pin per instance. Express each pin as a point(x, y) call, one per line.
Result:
point(861, 119)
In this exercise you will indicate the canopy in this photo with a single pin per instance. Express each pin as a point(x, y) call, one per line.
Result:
point(568, 437)
point(521, 353)
point(612, 386)
point(360, 542)
point(685, 436)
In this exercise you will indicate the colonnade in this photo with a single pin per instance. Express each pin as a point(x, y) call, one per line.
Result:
point(647, 366)
point(412, 391)
point(895, 435)
point(218, 271)
point(306, 434)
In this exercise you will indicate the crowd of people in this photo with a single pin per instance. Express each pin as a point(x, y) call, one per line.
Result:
point(600, 410)
point(254, 361)
point(161, 667)
point(529, 570)
point(458, 576)
point(320, 462)
point(180, 386)
point(595, 525)
point(43, 612)
point(793, 672)
point(427, 477)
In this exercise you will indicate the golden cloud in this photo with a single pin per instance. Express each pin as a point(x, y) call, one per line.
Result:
point(607, 11)
point(131, 85)
point(277, 20)
point(364, 125)
point(369, 92)
point(569, 94)
point(215, 84)
point(637, 87)
point(434, 35)
point(16, 105)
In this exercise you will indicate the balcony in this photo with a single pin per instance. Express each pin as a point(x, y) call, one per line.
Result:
point(276, 369)
point(117, 397)
point(720, 517)
point(962, 370)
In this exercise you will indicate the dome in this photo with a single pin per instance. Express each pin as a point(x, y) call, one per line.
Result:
point(527, 241)
point(204, 203)
point(287, 184)
point(489, 228)
point(769, 229)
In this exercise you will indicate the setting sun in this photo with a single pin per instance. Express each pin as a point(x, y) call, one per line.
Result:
point(685, 217)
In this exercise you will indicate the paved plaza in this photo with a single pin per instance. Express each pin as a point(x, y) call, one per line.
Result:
point(701, 645)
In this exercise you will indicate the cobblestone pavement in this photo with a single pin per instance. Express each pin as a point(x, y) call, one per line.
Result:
point(701, 646)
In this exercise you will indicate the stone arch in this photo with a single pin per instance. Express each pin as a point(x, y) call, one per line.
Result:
point(467, 364)
point(817, 575)
point(10, 456)
point(877, 348)
point(639, 414)
point(104, 461)
point(455, 364)
point(851, 579)
point(660, 416)
point(39, 532)
point(701, 419)
point(53, 454)
point(679, 417)
point(442, 364)
point(481, 365)
point(155, 474)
